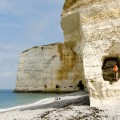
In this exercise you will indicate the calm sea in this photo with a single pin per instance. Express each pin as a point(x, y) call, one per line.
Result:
point(9, 99)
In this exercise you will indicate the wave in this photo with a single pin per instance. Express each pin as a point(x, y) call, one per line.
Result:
point(25, 106)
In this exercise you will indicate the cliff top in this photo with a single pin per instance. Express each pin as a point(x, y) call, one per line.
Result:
point(70, 5)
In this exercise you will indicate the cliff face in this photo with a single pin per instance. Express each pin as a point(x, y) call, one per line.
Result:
point(90, 50)
point(52, 68)
point(98, 28)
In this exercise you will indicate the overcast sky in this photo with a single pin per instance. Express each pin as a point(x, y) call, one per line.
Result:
point(24, 24)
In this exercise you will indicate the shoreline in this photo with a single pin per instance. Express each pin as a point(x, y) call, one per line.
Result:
point(40, 91)
point(22, 106)
point(39, 102)
point(69, 107)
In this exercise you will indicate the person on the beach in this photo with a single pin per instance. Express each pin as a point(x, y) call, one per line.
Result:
point(57, 98)
point(115, 70)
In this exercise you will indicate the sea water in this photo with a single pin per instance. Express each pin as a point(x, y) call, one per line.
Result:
point(9, 99)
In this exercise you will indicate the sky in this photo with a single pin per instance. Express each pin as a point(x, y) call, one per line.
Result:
point(24, 24)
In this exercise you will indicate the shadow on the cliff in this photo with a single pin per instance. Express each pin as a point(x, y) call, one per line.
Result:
point(83, 100)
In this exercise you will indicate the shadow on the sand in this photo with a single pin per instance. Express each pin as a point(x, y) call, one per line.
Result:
point(83, 100)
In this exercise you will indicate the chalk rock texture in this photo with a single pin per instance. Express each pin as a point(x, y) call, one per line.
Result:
point(97, 29)
point(91, 48)
point(50, 68)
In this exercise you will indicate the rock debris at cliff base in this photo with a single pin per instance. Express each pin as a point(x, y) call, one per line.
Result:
point(74, 112)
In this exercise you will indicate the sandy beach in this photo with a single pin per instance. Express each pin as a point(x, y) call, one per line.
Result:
point(74, 106)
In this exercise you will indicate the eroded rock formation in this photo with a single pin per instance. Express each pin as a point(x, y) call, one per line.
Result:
point(99, 28)
point(50, 68)
point(92, 37)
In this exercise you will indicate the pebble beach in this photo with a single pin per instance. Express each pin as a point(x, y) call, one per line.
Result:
point(73, 106)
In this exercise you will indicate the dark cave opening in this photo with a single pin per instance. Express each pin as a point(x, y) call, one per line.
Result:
point(80, 85)
point(107, 68)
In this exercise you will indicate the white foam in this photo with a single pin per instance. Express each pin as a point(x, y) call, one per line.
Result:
point(25, 106)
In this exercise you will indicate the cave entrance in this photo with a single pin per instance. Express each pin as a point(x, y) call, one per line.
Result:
point(80, 85)
point(107, 69)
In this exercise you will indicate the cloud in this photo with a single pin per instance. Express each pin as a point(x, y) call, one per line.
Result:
point(24, 6)
point(5, 23)
point(4, 7)
point(58, 1)
point(24, 24)
point(8, 7)
point(6, 74)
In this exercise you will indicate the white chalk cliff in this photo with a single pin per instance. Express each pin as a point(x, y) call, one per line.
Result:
point(51, 68)
point(90, 49)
